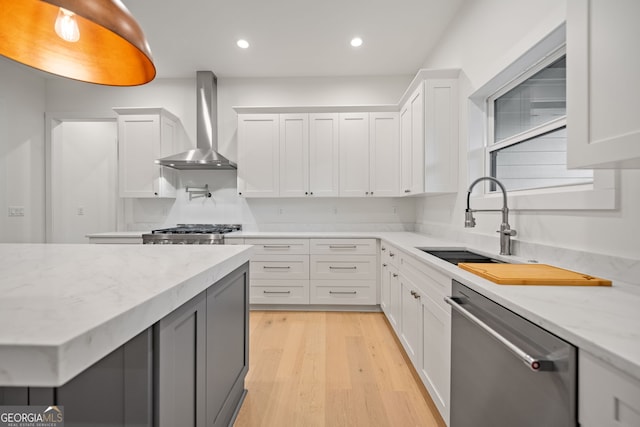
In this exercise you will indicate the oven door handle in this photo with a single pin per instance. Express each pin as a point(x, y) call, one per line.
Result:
point(536, 365)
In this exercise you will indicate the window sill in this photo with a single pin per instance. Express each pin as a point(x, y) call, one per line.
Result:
point(601, 195)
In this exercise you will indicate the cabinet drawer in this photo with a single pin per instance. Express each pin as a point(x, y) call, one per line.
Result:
point(347, 267)
point(342, 292)
point(343, 246)
point(280, 267)
point(390, 254)
point(279, 292)
point(427, 280)
point(279, 246)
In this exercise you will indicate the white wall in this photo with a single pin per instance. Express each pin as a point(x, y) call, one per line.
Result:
point(22, 101)
point(485, 37)
point(178, 96)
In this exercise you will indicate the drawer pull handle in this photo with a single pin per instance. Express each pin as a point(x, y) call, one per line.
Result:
point(343, 292)
point(391, 254)
point(276, 292)
point(276, 246)
point(331, 267)
point(269, 267)
point(383, 249)
point(395, 275)
point(384, 265)
point(343, 247)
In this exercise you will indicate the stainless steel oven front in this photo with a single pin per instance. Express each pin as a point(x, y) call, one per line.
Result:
point(505, 370)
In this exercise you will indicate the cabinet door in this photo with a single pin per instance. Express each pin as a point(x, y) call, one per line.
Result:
point(441, 136)
point(606, 396)
point(138, 147)
point(169, 145)
point(181, 375)
point(435, 366)
point(294, 155)
point(385, 287)
point(416, 155)
point(406, 162)
point(394, 299)
point(410, 323)
point(384, 154)
point(323, 155)
point(227, 346)
point(602, 84)
point(258, 155)
point(354, 154)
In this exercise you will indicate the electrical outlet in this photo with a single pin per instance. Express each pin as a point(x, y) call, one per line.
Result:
point(395, 209)
point(80, 211)
point(280, 211)
point(16, 210)
point(335, 211)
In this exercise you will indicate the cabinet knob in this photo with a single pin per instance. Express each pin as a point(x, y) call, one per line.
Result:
point(407, 191)
point(383, 249)
point(155, 194)
point(391, 254)
point(239, 194)
point(384, 265)
point(395, 274)
point(311, 193)
point(306, 193)
point(366, 193)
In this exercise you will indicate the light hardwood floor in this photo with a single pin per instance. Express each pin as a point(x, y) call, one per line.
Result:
point(330, 369)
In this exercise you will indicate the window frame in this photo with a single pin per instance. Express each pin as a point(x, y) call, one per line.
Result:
point(600, 194)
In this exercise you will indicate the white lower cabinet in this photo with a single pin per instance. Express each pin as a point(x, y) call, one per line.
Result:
point(343, 271)
point(412, 299)
point(279, 271)
point(313, 271)
point(606, 396)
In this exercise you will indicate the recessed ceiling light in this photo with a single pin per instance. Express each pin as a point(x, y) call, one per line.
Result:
point(242, 44)
point(356, 42)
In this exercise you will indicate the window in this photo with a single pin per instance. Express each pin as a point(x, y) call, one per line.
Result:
point(527, 141)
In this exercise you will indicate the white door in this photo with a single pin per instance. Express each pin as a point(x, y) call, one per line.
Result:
point(354, 154)
point(323, 155)
point(83, 180)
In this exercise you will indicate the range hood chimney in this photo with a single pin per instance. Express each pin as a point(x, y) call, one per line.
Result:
point(205, 155)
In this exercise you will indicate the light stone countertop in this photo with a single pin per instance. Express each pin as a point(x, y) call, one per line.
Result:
point(604, 321)
point(64, 307)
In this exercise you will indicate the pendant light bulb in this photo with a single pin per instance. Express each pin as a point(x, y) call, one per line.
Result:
point(66, 26)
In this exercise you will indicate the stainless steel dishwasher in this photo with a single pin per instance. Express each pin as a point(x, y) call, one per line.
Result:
point(505, 370)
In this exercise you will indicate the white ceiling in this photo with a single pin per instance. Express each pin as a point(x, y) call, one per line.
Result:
point(291, 37)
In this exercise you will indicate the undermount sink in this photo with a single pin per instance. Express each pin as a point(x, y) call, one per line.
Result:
point(455, 256)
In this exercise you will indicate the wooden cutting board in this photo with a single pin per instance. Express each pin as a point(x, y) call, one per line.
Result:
point(532, 274)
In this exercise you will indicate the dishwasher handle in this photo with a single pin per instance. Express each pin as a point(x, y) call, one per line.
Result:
point(536, 365)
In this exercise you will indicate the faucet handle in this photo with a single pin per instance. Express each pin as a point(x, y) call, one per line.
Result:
point(507, 232)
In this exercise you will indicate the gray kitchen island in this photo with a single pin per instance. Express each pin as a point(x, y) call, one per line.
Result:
point(125, 335)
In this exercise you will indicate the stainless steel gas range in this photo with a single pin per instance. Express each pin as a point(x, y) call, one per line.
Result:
point(190, 234)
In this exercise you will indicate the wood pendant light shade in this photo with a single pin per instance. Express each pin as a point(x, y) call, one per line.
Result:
point(112, 50)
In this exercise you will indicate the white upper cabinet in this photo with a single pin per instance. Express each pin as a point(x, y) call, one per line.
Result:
point(323, 154)
point(354, 154)
point(603, 87)
point(259, 155)
point(441, 136)
point(412, 122)
point(294, 155)
point(384, 154)
point(144, 135)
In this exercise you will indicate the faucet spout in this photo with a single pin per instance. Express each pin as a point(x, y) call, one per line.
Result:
point(505, 230)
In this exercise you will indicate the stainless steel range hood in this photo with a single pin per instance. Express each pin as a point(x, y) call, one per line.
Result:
point(205, 155)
